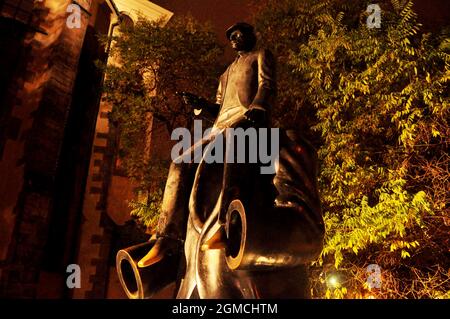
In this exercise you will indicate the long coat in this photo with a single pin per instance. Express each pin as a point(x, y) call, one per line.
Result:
point(248, 82)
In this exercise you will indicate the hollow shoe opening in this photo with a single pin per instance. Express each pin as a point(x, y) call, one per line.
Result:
point(236, 229)
point(235, 234)
point(129, 275)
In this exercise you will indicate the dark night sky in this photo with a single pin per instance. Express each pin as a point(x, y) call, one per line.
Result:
point(221, 13)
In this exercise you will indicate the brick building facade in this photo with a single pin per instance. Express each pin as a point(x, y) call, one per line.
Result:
point(56, 149)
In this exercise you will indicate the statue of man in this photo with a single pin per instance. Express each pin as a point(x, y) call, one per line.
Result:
point(244, 97)
point(246, 89)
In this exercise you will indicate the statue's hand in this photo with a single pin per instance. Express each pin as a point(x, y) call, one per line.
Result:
point(193, 100)
point(255, 115)
point(162, 247)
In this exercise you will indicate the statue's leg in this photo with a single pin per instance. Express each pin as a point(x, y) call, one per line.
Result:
point(174, 209)
point(242, 172)
point(237, 176)
point(188, 282)
point(215, 280)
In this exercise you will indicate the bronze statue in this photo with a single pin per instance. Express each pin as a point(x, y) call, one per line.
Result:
point(227, 231)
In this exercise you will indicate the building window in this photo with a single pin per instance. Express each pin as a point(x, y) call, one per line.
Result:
point(20, 10)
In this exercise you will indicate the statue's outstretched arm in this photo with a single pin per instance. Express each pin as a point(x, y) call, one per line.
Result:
point(199, 104)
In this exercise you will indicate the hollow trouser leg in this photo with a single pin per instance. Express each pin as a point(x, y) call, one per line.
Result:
point(242, 172)
point(233, 174)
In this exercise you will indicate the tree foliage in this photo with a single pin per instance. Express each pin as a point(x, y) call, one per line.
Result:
point(150, 62)
point(377, 100)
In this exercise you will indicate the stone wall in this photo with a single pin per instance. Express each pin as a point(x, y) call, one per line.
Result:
point(43, 95)
point(61, 201)
point(106, 213)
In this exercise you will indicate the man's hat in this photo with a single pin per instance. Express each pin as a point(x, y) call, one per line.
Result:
point(244, 27)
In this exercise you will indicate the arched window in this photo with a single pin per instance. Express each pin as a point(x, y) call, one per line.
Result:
point(19, 10)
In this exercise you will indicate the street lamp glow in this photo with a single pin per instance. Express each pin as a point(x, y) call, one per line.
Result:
point(333, 281)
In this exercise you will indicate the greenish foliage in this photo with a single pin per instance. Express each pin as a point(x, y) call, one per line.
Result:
point(147, 209)
point(377, 101)
point(149, 62)
point(153, 61)
point(283, 26)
